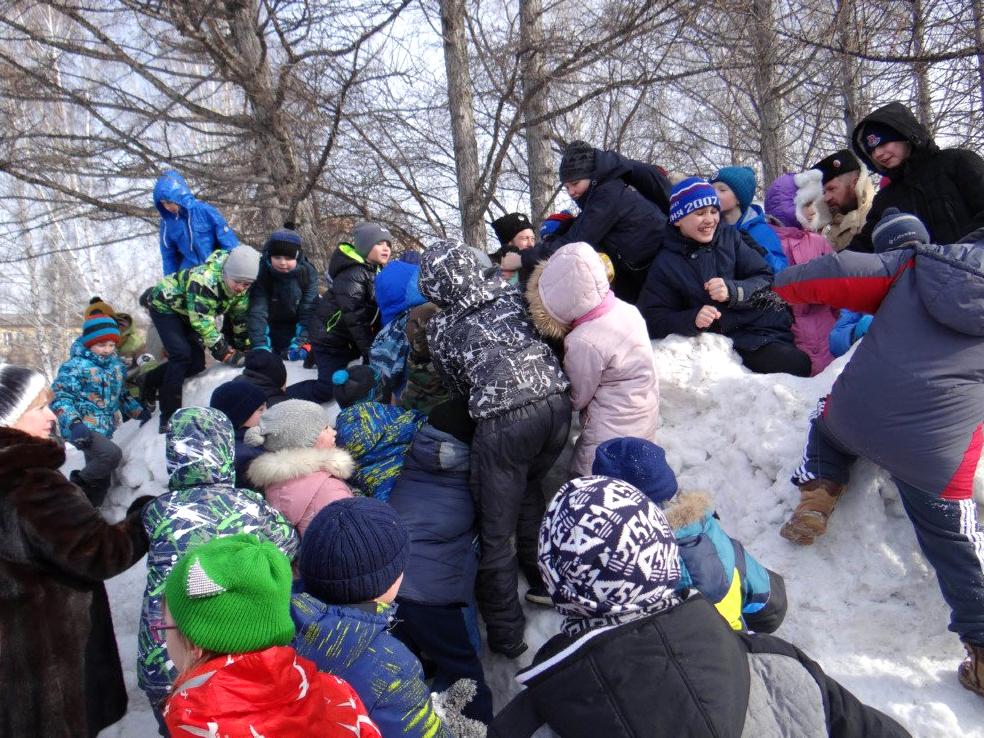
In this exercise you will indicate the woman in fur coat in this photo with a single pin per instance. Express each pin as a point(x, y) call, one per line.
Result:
point(60, 672)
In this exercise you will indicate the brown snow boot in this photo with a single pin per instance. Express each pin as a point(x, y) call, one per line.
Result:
point(809, 519)
point(971, 671)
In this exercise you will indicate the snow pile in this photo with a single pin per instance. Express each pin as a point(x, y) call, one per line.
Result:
point(862, 601)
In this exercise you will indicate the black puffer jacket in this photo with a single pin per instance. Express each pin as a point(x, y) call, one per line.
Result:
point(347, 316)
point(482, 342)
point(674, 290)
point(683, 674)
point(618, 219)
point(944, 188)
point(281, 299)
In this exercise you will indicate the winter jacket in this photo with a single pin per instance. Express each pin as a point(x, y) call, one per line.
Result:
point(674, 291)
point(811, 323)
point(434, 500)
point(301, 481)
point(378, 437)
point(59, 671)
point(201, 503)
point(754, 224)
point(943, 188)
point(607, 355)
point(353, 642)
point(388, 355)
point(132, 341)
point(850, 327)
point(273, 692)
point(91, 389)
point(846, 226)
point(281, 299)
point(424, 390)
point(618, 219)
point(200, 295)
point(707, 682)
point(346, 317)
point(911, 398)
point(482, 342)
point(188, 238)
point(715, 565)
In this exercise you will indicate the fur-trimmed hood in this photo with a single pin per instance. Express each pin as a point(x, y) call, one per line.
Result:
point(277, 467)
point(809, 191)
point(566, 288)
point(546, 325)
point(688, 507)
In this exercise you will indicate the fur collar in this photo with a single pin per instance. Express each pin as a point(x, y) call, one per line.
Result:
point(18, 451)
point(277, 467)
point(687, 508)
point(548, 326)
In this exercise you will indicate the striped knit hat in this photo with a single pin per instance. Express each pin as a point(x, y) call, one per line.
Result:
point(98, 328)
point(689, 195)
point(18, 388)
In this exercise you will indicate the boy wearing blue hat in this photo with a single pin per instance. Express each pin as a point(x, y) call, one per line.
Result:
point(736, 189)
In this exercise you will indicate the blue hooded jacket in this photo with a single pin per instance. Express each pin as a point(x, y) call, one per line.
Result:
point(396, 295)
point(196, 231)
point(753, 223)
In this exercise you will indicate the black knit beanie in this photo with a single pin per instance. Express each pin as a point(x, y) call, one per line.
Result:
point(578, 162)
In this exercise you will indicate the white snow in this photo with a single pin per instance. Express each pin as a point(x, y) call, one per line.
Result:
point(862, 601)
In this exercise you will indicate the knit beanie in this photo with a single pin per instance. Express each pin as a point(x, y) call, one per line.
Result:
point(639, 462)
point(606, 554)
point(353, 551)
point(99, 328)
point(367, 235)
point(19, 387)
point(452, 417)
point(875, 134)
point(741, 180)
point(242, 264)
point(238, 400)
point(98, 306)
point(509, 225)
point(284, 242)
point(689, 195)
point(578, 162)
point(289, 424)
point(266, 364)
point(353, 385)
point(838, 163)
point(895, 229)
point(232, 595)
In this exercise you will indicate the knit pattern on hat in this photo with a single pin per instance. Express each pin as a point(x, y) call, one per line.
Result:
point(19, 386)
point(284, 242)
point(741, 180)
point(242, 264)
point(353, 551)
point(98, 306)
point(690, 195)
point(238, 400)
point(98, 329)
point(578, 162)
point(289, 424)
point(607, 555)
point(895, 229)
point(232, 595)
point(639, 462)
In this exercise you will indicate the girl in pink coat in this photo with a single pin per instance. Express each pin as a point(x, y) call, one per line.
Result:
point(607, 354)
point(302, 470)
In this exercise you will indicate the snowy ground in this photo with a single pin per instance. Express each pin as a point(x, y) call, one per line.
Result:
point(862, 602)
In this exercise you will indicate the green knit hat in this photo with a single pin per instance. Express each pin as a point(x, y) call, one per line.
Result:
point(232, 595)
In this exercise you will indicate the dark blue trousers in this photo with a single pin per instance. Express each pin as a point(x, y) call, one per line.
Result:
point(321, 389)
point(185, 358)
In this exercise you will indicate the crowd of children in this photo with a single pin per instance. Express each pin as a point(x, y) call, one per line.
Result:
point(305, 571)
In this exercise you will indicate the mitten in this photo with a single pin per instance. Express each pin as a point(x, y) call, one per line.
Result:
point(80, 435)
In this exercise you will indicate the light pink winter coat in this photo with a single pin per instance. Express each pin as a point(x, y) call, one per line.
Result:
point(301, 481)
point(811, 323)
point(607, 354)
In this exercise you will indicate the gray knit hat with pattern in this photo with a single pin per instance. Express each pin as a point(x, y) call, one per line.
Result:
point(289, 424)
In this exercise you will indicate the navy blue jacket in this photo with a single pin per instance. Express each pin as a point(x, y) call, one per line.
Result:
point(282, 299)
point(434, 501)
point(674, 290)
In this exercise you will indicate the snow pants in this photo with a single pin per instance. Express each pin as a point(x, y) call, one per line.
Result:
point(186, 358)
point(777, 357)
point(511, 454)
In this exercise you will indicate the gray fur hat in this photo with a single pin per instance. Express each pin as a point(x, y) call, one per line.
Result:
point(289, 424)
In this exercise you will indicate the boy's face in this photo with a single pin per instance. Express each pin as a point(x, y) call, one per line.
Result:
point(524, 239)
point(379, 254)
point(577, 187)
point(253, 420)
point(103, 348)
point(237, 286)
point(171, 207)
point(892, 154)
point(726, 196)
point(283, 263)
point(700, 225)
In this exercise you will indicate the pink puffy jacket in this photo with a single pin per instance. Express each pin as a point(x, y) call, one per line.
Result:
point(607, 354)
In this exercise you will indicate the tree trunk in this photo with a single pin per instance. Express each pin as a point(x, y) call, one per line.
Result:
point(850, 75)
point(771, 133)
point(538, 152)
point(461, 104)
point(924, 103)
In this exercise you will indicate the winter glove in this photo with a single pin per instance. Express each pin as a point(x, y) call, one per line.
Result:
point(220, 350)
point(144, 416)
point(80, 435)
point(861, 328)
point(298, 351)
point(235, 359)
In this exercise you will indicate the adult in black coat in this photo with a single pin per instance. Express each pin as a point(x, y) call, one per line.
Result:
point(703, 279)
point(60, 671)
point(623, 206)
point(637, 659)
point(944, 188)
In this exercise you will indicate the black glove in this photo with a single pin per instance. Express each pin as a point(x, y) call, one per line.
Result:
point(139, 504)
point(220, 350)
point(235, 359)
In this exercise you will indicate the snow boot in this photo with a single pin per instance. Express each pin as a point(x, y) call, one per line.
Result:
point(538, 595)
point(809, 520)
point(971, 671)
